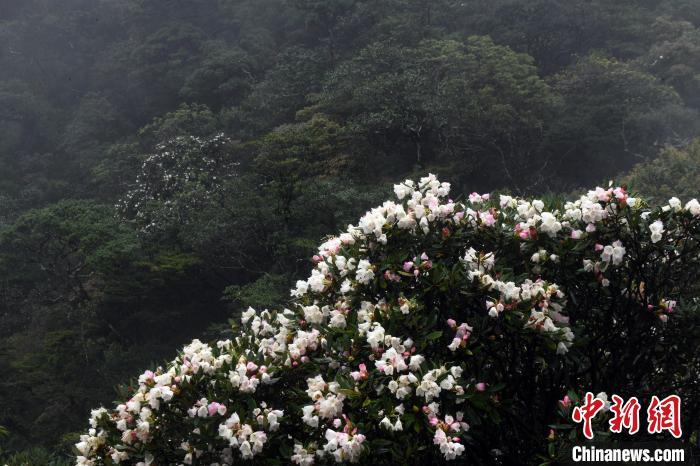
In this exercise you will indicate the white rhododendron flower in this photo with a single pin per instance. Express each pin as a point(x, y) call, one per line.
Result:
point(364, 272)
point(613, 253)
point(657, 229)
point(693, 206)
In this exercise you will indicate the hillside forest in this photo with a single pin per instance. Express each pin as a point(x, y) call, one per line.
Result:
point(164, 164)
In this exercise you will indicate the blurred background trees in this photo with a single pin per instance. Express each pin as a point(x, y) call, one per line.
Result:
point(165, 162)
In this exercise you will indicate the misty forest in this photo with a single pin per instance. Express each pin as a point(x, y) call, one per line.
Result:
point(167, 164)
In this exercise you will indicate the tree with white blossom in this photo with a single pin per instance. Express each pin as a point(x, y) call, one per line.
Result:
point(432, 330)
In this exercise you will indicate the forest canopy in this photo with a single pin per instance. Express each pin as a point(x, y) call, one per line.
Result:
point(166, 164)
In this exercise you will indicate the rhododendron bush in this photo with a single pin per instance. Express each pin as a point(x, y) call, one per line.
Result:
point(434, 330)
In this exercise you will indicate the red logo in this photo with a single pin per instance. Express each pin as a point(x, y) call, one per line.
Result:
point(587, 412)
point(665, 415)
point(662, 415)
point(625, 415)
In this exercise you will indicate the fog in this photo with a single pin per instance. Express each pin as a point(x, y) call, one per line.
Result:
point(164, 164)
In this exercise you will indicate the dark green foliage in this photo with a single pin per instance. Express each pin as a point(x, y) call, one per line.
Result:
point(617, 115)
point(469, 107)
point(79, 293)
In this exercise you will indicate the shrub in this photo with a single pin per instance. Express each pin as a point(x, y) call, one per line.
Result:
point(433, 330)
